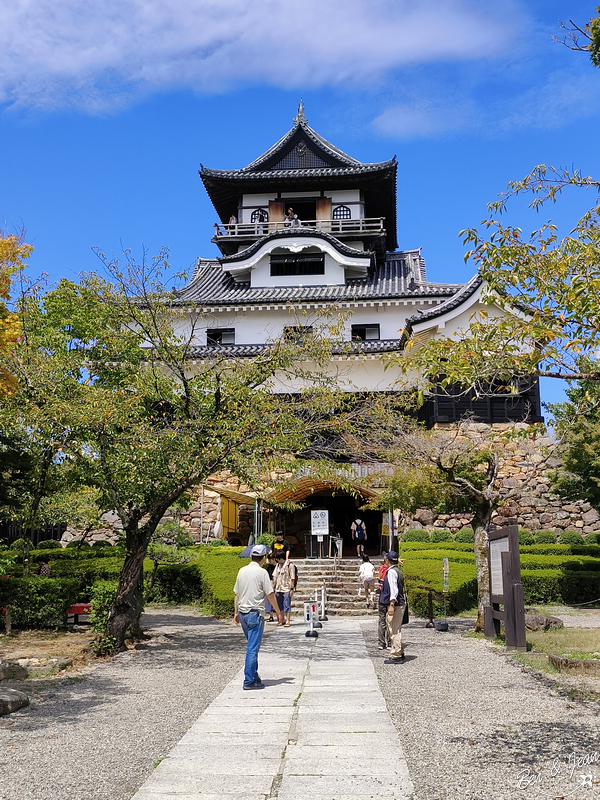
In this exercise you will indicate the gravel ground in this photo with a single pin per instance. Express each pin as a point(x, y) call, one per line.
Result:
point(97, 736)
point(475, 726)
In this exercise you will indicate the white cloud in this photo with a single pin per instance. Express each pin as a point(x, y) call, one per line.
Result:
point(99, 54)
point(565, 96)
point(423, 118)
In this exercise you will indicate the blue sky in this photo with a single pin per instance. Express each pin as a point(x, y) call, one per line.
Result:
point(107, 110)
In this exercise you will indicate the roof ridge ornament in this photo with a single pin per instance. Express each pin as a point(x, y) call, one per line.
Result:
point(300, 118)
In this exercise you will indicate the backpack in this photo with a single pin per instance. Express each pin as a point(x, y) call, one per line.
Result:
point(359, 531)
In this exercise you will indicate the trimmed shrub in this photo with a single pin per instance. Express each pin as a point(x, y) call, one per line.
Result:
point(100, 543)
point(19, 545)
point(560, 586)
point(570, 537)
point(437, 554)
point(465, 536)
point(177, 583)
point(78, 543)
point(416, 535)
point(36, 602)
point(545, 537)
point(525, 537)
point(450, 546)
point(218, 570)
point(563, 549)
point(441, 535)
point(563, 562)
point(49, 544)
point(86, 553)
point(593, 538)
point(102, 596)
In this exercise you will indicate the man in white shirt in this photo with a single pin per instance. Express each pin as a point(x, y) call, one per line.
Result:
point(252, 587)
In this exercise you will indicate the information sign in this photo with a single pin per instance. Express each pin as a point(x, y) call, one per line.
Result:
point(497, 547)
point(319, 522)
point(446, 566)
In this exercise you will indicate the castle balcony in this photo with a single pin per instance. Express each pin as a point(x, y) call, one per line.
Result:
point(370, 230)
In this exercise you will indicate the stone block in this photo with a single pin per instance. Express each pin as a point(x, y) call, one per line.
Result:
point(425, 516)
point(12, 700)
point(590, 516)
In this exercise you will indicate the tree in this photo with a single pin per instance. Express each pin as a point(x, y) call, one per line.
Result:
point(586, 39)
point(13, 253)
point(455, 470)
point(107, 379)
point(549, 289)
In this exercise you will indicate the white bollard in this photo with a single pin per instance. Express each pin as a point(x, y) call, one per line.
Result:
point(310, 610)
point(316, 606)
point(323, 615)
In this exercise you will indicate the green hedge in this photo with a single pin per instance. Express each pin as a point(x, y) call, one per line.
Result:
point(563, 549)
point(218, 570)
point(36, 602)
point(525, 537)
point(450, 546)
point(102, 596)
point(441, 535)
point(177, 583)
point(416, 535)
point(49, 544)
point(563, 562)
point(570, 537)
point(560, 586)
point(544, 537)
point(71, 554)
point(465, 536)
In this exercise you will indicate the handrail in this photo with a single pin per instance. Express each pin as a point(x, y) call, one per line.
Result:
point(332, 226)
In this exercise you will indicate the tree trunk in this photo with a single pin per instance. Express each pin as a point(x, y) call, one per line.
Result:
point(129, 602)
point(480, 524)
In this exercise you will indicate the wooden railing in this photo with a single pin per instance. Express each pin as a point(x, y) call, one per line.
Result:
point(336, 227)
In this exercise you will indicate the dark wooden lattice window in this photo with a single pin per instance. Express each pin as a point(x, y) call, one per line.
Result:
point(256, 215)
point(298, 264)
point(342, 212)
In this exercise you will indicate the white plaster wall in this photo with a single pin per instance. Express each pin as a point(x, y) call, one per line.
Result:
point(254, 201)
point(334, 275)
point(258, 327)
point(350, 375)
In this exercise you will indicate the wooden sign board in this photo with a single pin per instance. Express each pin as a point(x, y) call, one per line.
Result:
point(506, 589)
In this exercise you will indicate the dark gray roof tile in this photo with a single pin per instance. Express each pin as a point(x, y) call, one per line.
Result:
point(393, 279)
point(248, 350)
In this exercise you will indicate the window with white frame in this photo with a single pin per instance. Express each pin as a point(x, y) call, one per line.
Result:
point(342, 212)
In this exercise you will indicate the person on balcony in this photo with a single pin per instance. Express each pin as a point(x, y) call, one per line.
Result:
point(232, 225)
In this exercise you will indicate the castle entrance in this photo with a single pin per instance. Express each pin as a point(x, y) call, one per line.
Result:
point(343, 508)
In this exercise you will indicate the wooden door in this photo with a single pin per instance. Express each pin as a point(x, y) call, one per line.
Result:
point(276, 214)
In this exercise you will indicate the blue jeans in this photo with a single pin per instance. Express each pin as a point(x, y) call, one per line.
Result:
point(253, 626)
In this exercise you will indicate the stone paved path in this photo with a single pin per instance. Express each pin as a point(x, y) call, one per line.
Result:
point(320, 729)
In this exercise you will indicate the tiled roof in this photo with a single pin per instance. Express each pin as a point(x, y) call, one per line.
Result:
point(284, 174)
point(299, 231)
point(248, 350)
point(448, 305)
point(395, 278)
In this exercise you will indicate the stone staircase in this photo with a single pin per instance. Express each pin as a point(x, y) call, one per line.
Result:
point(342, 589)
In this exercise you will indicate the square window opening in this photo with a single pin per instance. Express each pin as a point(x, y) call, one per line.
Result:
point(220, 336)
point(365, 333)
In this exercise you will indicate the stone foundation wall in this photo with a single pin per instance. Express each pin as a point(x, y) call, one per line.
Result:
point(534, 507)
